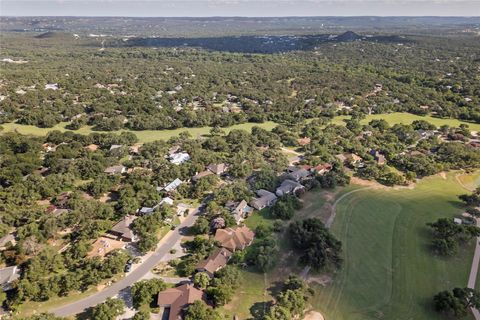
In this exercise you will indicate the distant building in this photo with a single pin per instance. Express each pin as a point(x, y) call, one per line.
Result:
point(218, 169)
point(321, 169)
point(178, 299)
point(172, 186)
point(200, 175)
point(178, 158)
point(299, 175)
point(7, 276)
point(119, 169)
point(265, 199)
point(122, 229)
point(9, 238)
point(379, 158)
point(216, 261)
point(182, 208)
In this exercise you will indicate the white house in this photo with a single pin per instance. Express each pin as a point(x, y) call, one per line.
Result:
point(180, 157)
point(172, 186)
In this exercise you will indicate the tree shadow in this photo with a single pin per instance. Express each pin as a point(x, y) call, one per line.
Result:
point(258, 309)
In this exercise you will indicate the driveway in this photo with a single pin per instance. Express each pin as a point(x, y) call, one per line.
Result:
point(135, 275)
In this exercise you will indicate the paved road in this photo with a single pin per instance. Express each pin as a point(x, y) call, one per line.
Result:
point(134, 276)
point(473, 273)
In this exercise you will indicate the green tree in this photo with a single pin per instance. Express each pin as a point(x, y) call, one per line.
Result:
point(201, 280)
point(200, 311)
point(108, 310)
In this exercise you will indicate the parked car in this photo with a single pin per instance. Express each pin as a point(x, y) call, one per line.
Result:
point(128, 266)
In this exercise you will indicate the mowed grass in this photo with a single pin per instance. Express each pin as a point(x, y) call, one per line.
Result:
point(408, 118)
point(470, 181)
point(153, 135)
point(143, 136)
point(389, 270)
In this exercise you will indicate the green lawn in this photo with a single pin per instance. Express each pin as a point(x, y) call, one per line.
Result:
point(389, 271)
point(250, 296)
point(143, 136)
point(407, 118)
point(152, 135)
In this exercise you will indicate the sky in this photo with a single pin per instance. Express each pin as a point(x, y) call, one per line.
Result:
point(248, 8)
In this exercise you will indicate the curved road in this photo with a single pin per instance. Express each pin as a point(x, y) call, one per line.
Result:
point(134, 276)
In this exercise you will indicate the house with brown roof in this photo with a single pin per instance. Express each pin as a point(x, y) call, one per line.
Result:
point(178, 299)
point(122, 229)
point(216, 261)
point(92, 147)
point(234, 238)
point(321, 169)
point(218, 169)
point(200, 175)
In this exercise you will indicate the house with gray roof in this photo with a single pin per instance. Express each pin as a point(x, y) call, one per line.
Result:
point(7, 276)
point(289, 187)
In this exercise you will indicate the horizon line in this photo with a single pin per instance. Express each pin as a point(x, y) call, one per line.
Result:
point(227, 16)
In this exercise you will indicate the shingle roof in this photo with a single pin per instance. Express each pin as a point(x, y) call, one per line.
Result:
point(215, 261)
point(178, 299)
point(234, 239)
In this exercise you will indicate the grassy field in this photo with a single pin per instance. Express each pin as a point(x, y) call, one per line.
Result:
point(389, 271)
point(469, 181)
point(407, 118)
point(152, 135)
point(143, 136)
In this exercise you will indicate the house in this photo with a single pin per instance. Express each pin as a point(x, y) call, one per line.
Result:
point(304, 141)
point(49, 147)
point(234, 238)
point(166, 200)
point(240, 210)
point(7, 276)
point(119, 169)
point(146, 210)
point(172, 186)
point(289, 187)
point(135, 148)
point(178, 299)
point(424, 134)
point(380, 158)
point(53, 210)
point(178, 158)
point(122, 229)
point(61, 200)
point(92, 147)
point(321, 169)
point(51, 86)
point(216, 261)
point(104, 245)
point(115, 146)
point(182, 208)
point(200, 175)
point(5, 240)
point(218, 169)
point(299, 175)
point(265, 199)
point(350, 158)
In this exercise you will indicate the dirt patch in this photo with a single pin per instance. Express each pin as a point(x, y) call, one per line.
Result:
point(323, 280)
point(313, 315)
point(367, 183)
point(443, 175)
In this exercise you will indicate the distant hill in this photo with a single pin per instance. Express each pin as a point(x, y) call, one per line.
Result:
point(348, 36)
